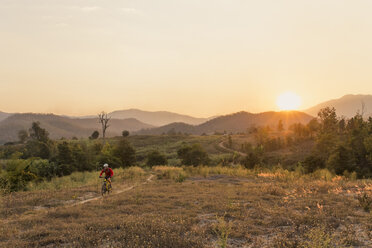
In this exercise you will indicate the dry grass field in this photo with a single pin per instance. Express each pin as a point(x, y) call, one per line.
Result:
point(194, 207)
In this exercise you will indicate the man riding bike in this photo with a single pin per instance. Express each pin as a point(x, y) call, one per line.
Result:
point(108, 172)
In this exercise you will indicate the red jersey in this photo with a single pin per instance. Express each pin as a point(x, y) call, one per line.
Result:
point(108, 172)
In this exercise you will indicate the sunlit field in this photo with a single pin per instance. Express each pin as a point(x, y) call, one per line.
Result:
point(185, 124)
point(193, 207)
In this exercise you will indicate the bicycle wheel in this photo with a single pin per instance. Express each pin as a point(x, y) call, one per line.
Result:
point(109, 188)
point(103, 190)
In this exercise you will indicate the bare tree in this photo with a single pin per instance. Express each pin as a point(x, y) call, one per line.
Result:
point(104, 119)
point(363, 108)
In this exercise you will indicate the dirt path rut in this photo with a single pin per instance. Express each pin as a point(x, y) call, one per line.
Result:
point(230, 150)
point(113, 193)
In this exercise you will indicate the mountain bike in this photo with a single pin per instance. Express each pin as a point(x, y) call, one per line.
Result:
point(106, 187)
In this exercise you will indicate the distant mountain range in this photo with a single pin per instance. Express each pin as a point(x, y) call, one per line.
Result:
point(59, 126)
point(347, 105)
point(146, 122)
point(4, 115)
point(238, 122)
point(157, 118)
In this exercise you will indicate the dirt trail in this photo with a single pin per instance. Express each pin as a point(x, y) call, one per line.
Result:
point(79, 202)
point(113, 193)
point(230, 150)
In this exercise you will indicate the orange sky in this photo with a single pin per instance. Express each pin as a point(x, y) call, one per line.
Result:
point(195, 57)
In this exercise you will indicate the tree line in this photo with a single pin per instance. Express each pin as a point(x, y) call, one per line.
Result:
point(341, 145)
point(37, 157)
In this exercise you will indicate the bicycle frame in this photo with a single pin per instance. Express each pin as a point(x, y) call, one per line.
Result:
point(106, 187)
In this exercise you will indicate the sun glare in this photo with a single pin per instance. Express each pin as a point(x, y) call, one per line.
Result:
point(288, 101)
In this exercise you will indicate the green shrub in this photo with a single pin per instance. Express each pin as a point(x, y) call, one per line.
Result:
point(17, 175)
point(193, 155)
point(107, 156)
point(76, 179)
point(156, 158)
point(313, 163)
point(181, 177)
point(42, 168)
point(125, 153)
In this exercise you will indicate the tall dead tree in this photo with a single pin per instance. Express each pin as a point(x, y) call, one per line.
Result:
point(104, 119)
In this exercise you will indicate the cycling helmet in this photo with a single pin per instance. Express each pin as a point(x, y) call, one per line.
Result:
point(105, 165)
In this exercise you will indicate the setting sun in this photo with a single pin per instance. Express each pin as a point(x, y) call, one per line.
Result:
point(288, 101)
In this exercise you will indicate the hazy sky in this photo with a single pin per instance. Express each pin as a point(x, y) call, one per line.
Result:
point(198, 57)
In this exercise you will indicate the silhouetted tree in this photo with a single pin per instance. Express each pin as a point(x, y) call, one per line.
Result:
point(229, 141)
point(280, 126)
point(313, 127)
point(22, 136)
point(312, 163)
point(254, 157)
point(328, 120)
point(125, 133)
point(104, 119)
point(341, 160)
point(261, 135)
point(94, 135)
point(300, 131)
point(38, 133)
point(64, 154)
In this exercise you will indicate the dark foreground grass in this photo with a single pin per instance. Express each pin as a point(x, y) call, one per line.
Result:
point(212, 211)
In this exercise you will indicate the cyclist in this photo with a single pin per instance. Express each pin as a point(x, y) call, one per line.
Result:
point(108, 172)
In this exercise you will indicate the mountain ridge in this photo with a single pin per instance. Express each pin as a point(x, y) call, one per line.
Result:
point(236, 122)
point(60, 126)
point(347, 105)
point(156, 118)
point(4, 115)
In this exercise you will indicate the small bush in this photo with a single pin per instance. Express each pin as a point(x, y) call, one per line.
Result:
point(318, 238)
point(168, 172)
point(323, 174)
point(205, 171)
point(222, 229)
point(133, 172)
point(76, 179)
point(193, 155)
point(181, 177)
point(351, 176)
point(4, 185)
point(156, 158)
point(365, 201)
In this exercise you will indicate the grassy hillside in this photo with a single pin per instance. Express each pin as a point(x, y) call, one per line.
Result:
point(238, 122)
point(173, 128)
point(59, 126)
point(213, 207)
point(169, 144)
